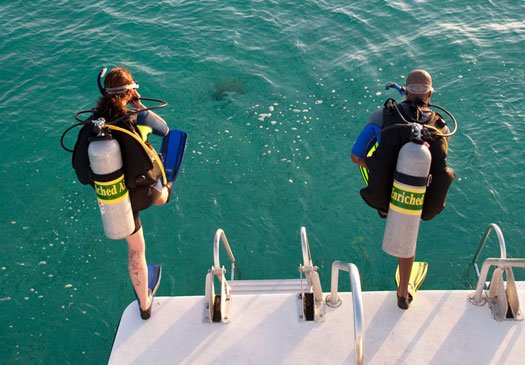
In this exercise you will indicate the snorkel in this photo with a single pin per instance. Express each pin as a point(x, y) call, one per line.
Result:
point(396, 86)
point(101, 74)
point(113, 90)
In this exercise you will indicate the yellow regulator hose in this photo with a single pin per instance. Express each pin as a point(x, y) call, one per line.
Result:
point(440, 134)
point(146, 148)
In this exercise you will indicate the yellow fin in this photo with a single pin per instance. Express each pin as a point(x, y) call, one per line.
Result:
point(417, 276)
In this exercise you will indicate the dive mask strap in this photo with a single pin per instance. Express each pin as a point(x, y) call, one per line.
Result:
point(99, 80)
point(121, 89)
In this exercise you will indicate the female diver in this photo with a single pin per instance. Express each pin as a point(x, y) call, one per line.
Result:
point(142, 175)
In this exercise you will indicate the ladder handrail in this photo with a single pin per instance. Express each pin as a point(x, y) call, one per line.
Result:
point(305, 247)
point(307, 257)
point(476, 298)
point(503, 250)
point(308, 268)
point(333, 300)
point(221, 236)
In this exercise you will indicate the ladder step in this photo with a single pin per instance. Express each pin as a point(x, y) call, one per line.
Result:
point(267, 286)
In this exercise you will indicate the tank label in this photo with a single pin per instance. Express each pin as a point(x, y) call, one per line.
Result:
point(111, 192)
point(407, 199)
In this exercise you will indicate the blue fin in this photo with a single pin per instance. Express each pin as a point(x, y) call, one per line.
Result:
point(172, 149)
point(154, 276)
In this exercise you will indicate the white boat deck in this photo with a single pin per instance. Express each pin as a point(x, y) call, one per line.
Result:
point(441, 327)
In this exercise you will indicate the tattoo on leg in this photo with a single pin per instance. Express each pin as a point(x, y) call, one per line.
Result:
point(133, 263)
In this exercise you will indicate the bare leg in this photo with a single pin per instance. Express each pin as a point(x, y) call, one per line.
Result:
point(138, 268)
point(405, 267)
point(163, 198)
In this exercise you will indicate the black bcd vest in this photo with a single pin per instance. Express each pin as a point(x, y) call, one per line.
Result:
point(382, 163)
point(139, 169)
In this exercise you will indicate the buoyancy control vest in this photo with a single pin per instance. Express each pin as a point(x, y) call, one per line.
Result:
point(382, 163)
point(139, 169)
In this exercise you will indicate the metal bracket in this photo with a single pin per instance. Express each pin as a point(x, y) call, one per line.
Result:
point(217, 308)
point(312, 307)
point(502, 297)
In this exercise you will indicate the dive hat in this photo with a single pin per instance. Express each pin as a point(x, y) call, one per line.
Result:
point(121, 89)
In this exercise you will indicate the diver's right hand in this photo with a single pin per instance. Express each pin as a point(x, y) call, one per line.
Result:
point(135, 101)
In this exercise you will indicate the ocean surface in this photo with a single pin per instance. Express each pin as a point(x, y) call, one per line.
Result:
point(272, 95)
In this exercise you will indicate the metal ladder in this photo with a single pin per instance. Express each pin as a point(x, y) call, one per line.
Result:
point(218, 307)
point(501, 296)
point(308, 289)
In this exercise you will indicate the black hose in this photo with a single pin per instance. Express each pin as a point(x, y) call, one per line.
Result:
point(408, 124)
point(451, 117)
point(162, 104)
point(64, 135)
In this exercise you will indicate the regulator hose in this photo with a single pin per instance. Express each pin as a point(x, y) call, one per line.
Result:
point(109, 125)
point(406, 123)
point(148, 150)
point(162, 104)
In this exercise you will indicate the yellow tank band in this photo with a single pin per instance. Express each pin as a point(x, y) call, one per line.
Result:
point(111, 192)
point(407, 199)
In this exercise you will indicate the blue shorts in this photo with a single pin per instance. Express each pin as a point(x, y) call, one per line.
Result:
point(366, 139)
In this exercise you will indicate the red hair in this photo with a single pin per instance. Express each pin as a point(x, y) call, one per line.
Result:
point(114, 106)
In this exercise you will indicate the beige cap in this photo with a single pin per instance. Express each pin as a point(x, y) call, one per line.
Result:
point(419, 82)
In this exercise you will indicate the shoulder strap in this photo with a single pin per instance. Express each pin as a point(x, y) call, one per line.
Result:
point(390, 105)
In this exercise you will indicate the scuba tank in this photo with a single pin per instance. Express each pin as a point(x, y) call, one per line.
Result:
point(407, 197)
point(105, 160)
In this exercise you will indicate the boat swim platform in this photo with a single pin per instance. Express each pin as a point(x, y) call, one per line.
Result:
point(440, 327)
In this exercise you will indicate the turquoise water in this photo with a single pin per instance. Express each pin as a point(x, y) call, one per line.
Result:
point(319, 68)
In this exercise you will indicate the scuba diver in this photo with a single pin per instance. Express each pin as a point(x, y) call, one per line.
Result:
point(128, 175)
point(401, 197)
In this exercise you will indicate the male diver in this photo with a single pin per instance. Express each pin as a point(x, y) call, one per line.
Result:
point(376, 151)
